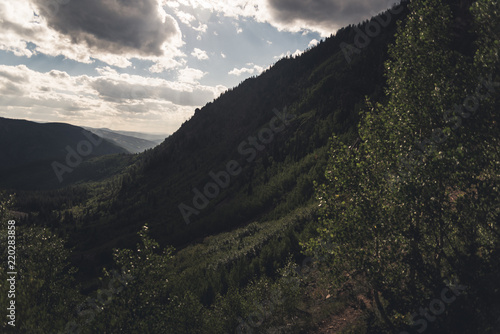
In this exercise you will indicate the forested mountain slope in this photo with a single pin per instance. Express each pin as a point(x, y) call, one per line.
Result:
point(322, 90)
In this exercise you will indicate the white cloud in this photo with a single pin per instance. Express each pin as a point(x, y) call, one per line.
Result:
point(223, 55)
point(199, 54)
point(312, 43)
point(109, 99)
point(255, 69)
point(185, 18)
point(188, 19)
point(240, 71)
point(288, 54)
point(171, 4)
point(201, 28)
point(190, 75)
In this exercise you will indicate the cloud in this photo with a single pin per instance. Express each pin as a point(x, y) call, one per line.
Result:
point(185, 18)
point(312, 43)
point(14, 76)
point(322, 16)
point(190, 75)
point(123, 91)
point(108, 30)
point(9, 89)
point(256, 69)
point(289, 53)
point(202, 28)
point(108, 99)
point(140, 27)
point(199, 54)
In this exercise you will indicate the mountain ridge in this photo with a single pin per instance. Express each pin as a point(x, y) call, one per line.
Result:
point(34, 154)
point(133, 144)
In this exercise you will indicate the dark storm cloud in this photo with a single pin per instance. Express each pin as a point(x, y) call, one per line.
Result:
point(114, 26)
point(326, 12)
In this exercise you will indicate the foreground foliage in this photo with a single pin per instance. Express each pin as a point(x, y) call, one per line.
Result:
point(416, 203)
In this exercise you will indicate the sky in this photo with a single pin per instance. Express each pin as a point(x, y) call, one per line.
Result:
point(146, 65)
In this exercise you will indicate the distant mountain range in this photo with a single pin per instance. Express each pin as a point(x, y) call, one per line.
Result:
point(44, 155)
point(133, 142)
